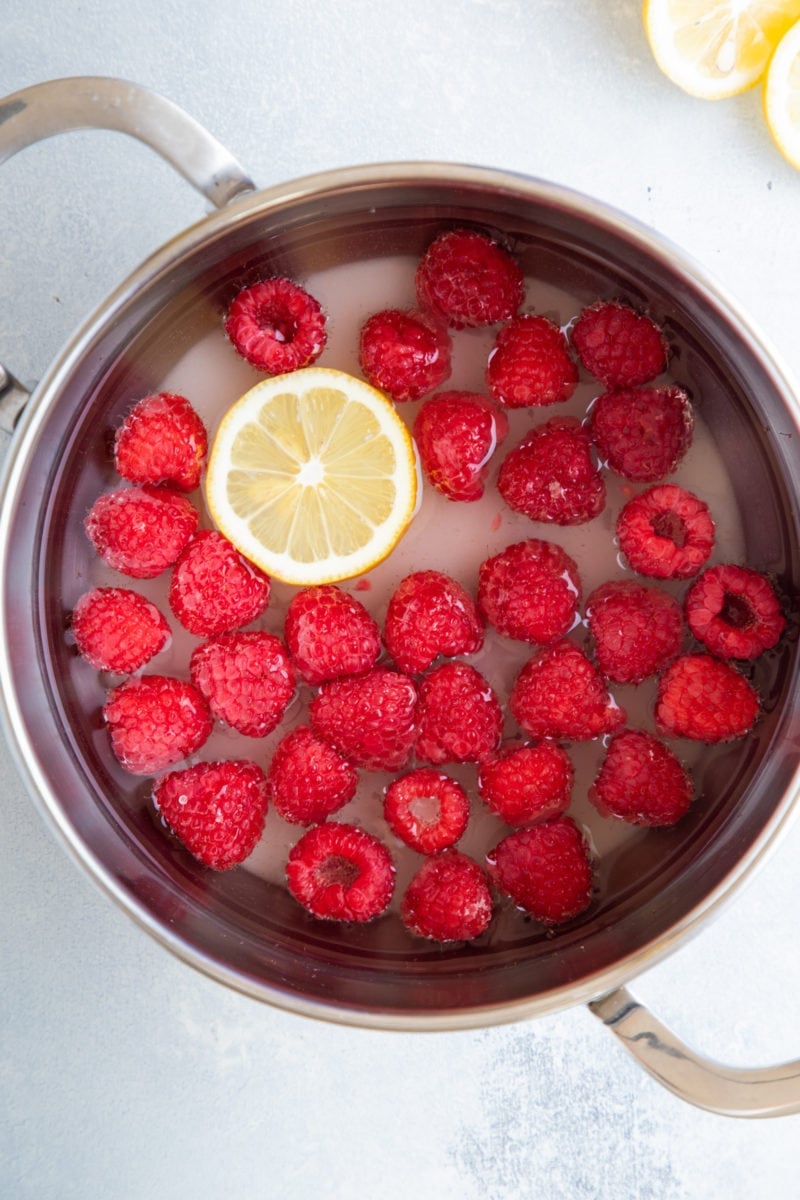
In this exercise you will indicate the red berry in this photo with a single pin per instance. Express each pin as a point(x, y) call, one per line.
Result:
point(530, 591)
point(551, 475)
point(140, 531)
point(340, 873)
point(637, 630)
point(666, 532)
point(427, 810)
point(371, 719)
point(448, 900)
point(641, 781)
point(216, 809)
point(530, 364)
point(329, 633)
point(468, 279)
point(460, 719)
point(524, 784)
point(276, 326)
point(545, 869)
point(620, 347)
point(734, 611)
point(406, 354)
point(701, 698)
point(560, 694)
point(642, 433)
point(430, 614)
point(162, 440)
point(247, 679)
point(456, 434)
point(309, 780)
point(118, 630)
point(214, 588)
point(155, 721)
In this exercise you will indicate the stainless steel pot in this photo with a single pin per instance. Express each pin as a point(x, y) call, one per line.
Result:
point(234, 927)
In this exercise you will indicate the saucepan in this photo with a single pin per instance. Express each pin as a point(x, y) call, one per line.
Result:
point(235, 926)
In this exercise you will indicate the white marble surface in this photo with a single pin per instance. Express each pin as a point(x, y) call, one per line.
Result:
point(122, 1073)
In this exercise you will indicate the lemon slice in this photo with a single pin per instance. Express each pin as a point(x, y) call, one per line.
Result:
point(312, 476)
point(782, 96)
point(716, 48)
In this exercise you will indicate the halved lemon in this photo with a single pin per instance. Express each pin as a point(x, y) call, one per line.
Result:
point(716, 48)
point(782, 96)
point(312, 476)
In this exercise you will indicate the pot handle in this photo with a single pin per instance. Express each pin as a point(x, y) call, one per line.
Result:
point(729, 1091)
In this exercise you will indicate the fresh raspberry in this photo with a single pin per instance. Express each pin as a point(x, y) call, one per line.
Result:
point(460, 719)
point(276, 326)
point(214, 588)
point(430, 614)
point(406, 354)
point(371, 719)
point(530, 591)
point(468, 279)
point(118, 630)
point(448, 900)
point(456, 434)
point(525, 784)
point(545, 869)
point(162, 440)
point(155, 721)
point(247, 679)
point(641, 781)
point(620, 347)
point(309, 780)
point(140, 531)
point(329, 633)
point(551, 475)
point(530, 364)
point(637, 630)
point(666, 532)
point(702, 698)
point(642, 433)
point(340, 873)
point(734, 611)
point(560, 694)
point(427, 810)
point(216, 809)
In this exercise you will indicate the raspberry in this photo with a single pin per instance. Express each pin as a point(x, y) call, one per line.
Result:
point(371, 719)
point(118, 630)
point(140, 531)
point(246, 678)
point(329, 633)
point(734, 612)
point(460, 719)
point(216, 809)
point(468, 279)
point(641, 781)
point(701, 698)
point(214, 588)
point(430, 614)
point(666, 532)
point(559, 694)
point(456, 434)
point(551, 476)
point(162, 440)
point(427, 810)
point(524, 784)
point(276, 326)
point(340, 873)
point(530, 364)
point(643, 433)
point(309, 780)
point(448, 900)
point(620, 347)
point(404, 353)
point(545, 869)
point(530, 591)
point(155, 721)
point(637, 630)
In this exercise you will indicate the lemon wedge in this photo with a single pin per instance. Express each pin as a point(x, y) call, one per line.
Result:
point(312, 475)
point(782, 96)
point(716, 48)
